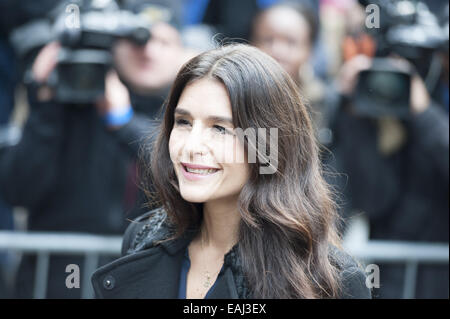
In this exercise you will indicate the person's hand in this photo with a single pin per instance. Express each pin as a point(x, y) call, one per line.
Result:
point(348, 74)
point(43, 66)
point(45, 62)
point(116, 100)
point(420, 98)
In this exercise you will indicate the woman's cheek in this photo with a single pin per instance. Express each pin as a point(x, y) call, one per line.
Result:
point(223, 149)
point(175, 144)
point(240, 153)
point(218, 152)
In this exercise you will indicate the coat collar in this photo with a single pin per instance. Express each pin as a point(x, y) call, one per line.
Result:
point(154, 273)
point(153, 265)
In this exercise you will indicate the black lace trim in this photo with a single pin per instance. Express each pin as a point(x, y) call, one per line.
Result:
point(233, 260)
point(153, 230)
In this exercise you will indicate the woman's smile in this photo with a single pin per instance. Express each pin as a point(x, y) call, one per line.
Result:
point(199, 144)
point(194, 172)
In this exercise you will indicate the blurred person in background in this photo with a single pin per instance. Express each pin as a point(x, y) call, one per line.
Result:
point(222, 16)
point(11, 17)
point(392, 141)
point(288, 32)
point(8, 80)
point(74, 167)
point(440, 93)
point(147, 71)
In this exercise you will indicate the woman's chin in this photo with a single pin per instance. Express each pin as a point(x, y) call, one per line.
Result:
point(192, 197)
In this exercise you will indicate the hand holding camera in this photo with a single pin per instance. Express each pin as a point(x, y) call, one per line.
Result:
point(43, 66)
point(383, 87)
point(116, 101)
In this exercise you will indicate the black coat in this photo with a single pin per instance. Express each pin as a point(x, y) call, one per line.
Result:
point(72, 175)
point(404, 194)
point(149, 269)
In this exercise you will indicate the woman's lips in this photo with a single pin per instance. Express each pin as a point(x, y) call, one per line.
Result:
point(198, 166)
point(200, 175)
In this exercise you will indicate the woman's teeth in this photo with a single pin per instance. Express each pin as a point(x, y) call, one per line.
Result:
point(201, 171)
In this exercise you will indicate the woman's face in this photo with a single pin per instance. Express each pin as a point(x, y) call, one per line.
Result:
point(201, 142)
point(283, 34)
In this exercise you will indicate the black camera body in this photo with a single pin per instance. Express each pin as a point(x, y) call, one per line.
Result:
point(87, 36)
point(85, 56)
point(407, 29)
point(383, 90)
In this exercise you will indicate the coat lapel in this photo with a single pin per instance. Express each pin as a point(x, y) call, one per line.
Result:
point(150, 274)
point(153, 273)
point(225, 287)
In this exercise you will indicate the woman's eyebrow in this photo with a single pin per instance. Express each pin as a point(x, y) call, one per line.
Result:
point(221, 119)
point(181, 111)
point(213, 118)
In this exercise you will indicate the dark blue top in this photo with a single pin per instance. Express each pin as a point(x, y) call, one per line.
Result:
point(185, 265)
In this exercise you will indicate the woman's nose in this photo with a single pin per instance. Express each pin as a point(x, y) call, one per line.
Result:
point(195, 143)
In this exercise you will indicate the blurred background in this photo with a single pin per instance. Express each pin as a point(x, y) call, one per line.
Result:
point(82, 84)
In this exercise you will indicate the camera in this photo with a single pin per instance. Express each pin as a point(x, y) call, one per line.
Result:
point(383, 90)
point(85, 56)
point(408, 29)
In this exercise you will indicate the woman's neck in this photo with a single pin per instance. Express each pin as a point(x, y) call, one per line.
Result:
point(220, 226)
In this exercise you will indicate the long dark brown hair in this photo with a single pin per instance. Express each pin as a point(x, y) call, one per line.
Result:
point(287, 218)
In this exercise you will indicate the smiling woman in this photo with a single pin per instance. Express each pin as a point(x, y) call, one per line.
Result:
point(203, 121)
point(224, 230)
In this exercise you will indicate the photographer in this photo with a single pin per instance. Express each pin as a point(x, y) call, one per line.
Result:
point(147, 72)
point(74, 167)
point(398, 175)
point(391, 142)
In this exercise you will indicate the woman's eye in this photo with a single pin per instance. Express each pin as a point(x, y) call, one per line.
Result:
point(220, 129)
point(181, 122)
